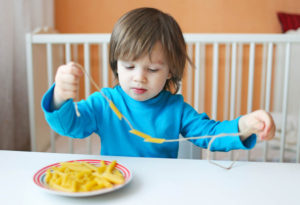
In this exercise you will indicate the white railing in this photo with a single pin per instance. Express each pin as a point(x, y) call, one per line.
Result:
point(236, 54)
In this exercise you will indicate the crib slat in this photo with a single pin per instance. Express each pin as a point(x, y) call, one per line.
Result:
point(189, 73)
point(268, 91)
point(233, 81)
point(251, 77)
point(196, 152)
point(87, 85)
point(239, 77)
point(186, 148)
point(284, 103)
point(244, 38)
point(215, 83)
point(263, 76)
point(250, 83)
point(202, 76)
point(49, 65)
point(226, 83)
point(233, 86)
point(215, 80)
point(50, 82)
point(202, 72)
point(105, 65)
point(197, 76)
point(68, 52)
point(68, 59)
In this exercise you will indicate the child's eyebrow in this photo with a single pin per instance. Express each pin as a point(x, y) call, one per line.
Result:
point(159, 62)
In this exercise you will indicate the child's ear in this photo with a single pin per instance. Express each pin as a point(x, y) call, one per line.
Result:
point(169, 75)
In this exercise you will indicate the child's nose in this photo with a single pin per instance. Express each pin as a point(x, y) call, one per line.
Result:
point(140, 76)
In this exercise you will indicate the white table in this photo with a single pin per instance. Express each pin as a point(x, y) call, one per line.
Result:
point(158, 181)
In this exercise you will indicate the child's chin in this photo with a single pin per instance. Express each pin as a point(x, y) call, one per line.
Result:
point(139, 97)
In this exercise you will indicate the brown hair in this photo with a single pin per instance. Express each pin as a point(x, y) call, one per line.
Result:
point(135, 34)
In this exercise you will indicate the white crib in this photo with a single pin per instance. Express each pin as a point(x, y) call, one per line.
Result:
point(234, 73)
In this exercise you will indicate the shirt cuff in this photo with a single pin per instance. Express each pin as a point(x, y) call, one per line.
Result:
point(47, 101)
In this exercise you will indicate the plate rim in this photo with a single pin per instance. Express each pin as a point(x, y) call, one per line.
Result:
point(38, 175)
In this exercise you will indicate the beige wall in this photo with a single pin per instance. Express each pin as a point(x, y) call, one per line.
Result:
point(204, 16)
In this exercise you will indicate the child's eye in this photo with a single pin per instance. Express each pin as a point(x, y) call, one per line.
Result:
point(129, 67)
point(152, 70)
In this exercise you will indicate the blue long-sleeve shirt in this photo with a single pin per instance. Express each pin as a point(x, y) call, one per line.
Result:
point(165, 116)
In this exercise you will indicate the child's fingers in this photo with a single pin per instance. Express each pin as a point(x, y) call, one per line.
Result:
point(72, 69)
point(75, 69)
point(259, 126)
point(66, 82)
point(69, 86)
point(259, 122)
point(267, 120)
point(68, 74)
point(268, 131)
point(69, 78)
point(65, 86)
point(63, 94)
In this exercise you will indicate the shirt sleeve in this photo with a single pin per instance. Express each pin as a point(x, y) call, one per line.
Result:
point(64, 120)
point(195, 124)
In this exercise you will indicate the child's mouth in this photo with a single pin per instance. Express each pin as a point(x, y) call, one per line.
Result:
point(139, 90)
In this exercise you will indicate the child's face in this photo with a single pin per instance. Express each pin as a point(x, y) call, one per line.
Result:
point(143, 79)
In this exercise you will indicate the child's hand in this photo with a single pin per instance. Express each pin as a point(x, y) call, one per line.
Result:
point(66, 83)
point(259, 122)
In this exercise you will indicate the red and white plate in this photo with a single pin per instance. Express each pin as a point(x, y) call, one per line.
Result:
point(39, 179)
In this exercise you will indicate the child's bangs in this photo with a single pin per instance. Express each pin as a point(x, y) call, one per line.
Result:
point(132, 49)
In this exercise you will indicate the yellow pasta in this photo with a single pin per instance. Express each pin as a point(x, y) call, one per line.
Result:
point(155, 140)
point(147, 138)
point(140, 134)
point(81, 176)
point(115, 109)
